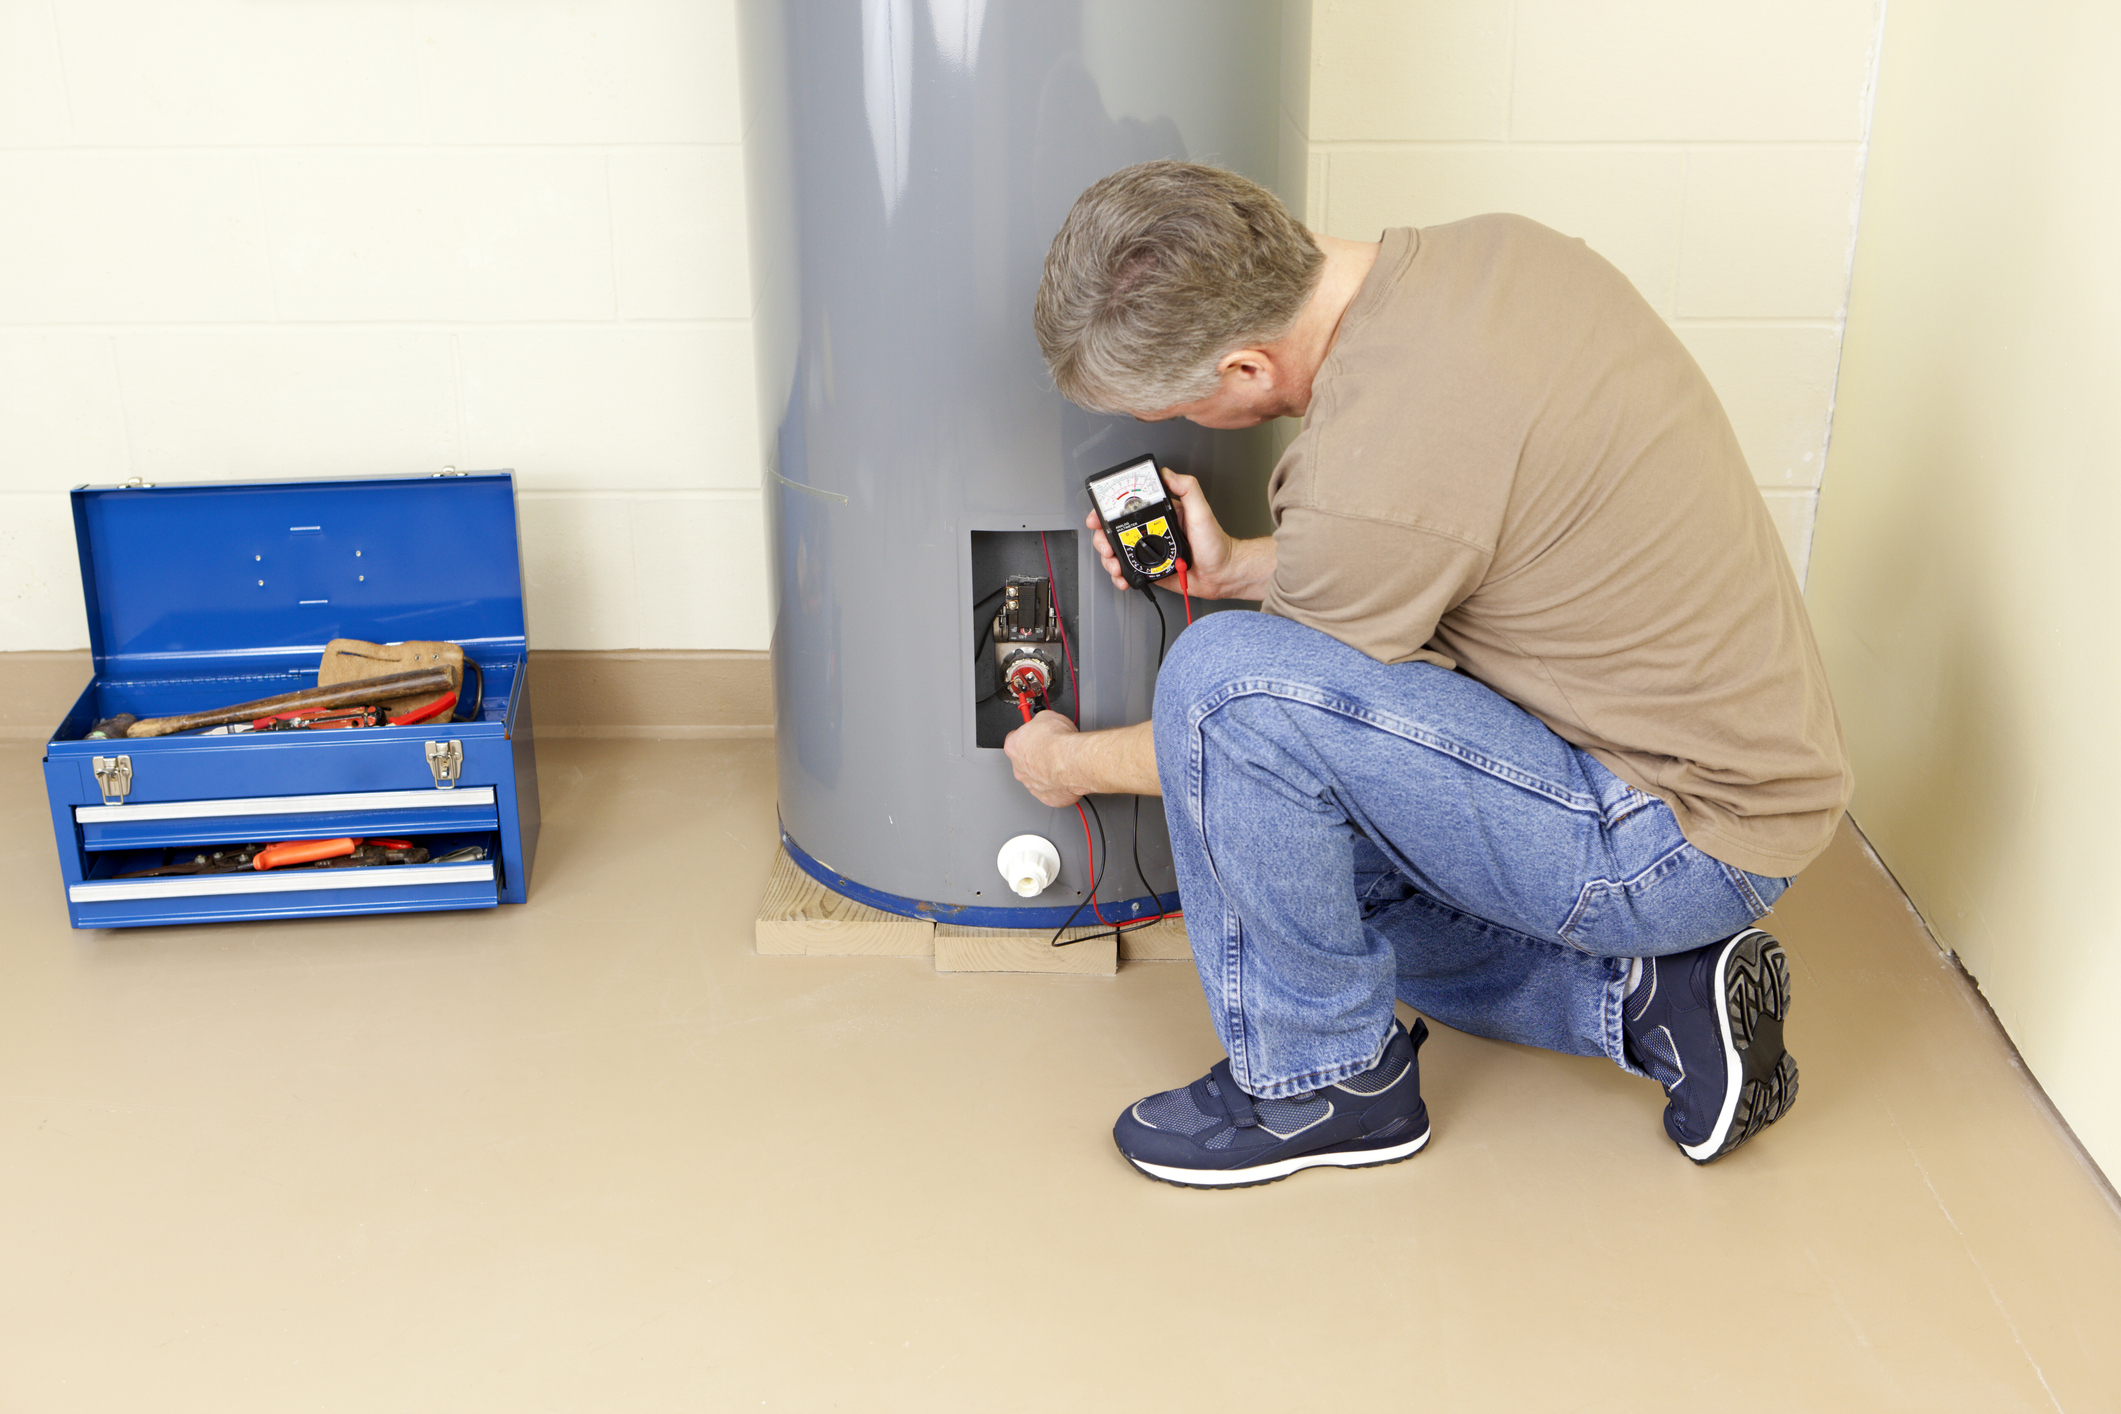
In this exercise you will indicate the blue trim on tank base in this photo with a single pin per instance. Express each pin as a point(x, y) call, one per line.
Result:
point(974, 916)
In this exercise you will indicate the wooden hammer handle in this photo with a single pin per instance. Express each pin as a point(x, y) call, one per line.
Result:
point(344, 694)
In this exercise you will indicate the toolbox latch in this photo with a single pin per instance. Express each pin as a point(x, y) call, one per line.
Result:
point(446, 760)
point(114, 776)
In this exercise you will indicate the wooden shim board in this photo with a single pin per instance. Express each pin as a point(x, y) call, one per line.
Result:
point(959, 949)
point(801, 917)
point(1159, 942)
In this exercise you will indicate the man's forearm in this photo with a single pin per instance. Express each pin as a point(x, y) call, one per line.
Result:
point(1121, 761)
point(1059, 764)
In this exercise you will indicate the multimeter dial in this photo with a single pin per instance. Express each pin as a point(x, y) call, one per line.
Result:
point(1148, 548)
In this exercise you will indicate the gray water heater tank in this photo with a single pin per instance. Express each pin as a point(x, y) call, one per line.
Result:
point(910, 161)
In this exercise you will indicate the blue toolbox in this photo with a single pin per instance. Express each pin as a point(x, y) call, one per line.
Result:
point(205, 596)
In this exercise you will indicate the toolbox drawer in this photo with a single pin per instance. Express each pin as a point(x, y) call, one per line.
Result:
point(104, 900)
point(287, 817)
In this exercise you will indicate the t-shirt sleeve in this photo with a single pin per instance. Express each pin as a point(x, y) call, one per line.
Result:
point(1373, 585)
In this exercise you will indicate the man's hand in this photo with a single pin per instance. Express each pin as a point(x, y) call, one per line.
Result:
point(1060, 765)
point(1038, 752)
point(1222, 567)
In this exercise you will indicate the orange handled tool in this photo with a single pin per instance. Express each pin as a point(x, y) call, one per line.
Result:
point(301, 852)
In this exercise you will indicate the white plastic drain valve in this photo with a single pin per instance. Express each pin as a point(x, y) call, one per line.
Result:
point(1030, 863)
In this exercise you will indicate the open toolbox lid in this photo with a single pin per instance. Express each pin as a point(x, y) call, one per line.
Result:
point(185, 577)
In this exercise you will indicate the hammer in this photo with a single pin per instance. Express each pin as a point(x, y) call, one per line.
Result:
point(343, 694)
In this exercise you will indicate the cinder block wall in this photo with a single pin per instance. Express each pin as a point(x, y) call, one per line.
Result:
point(1711, 149)
point(244, 240)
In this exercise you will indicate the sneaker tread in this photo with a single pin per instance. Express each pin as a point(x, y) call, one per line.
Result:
point(1757, 1001)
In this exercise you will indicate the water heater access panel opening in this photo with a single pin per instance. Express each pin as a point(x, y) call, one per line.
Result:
point(1026, 627)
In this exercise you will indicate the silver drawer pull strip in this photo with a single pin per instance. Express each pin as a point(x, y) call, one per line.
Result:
point(285, 805)
point(383, 876)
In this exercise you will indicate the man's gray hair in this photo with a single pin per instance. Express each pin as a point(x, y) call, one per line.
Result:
point(1160, 270)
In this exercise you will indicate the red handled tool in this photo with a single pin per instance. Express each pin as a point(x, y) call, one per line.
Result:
point(318, 719)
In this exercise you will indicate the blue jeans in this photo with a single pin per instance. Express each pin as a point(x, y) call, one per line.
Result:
point(1347, 830)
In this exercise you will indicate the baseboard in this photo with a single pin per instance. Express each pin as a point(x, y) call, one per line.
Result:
point(673, 694)
point(36, 688)
point(633, 694)
point(667, 733)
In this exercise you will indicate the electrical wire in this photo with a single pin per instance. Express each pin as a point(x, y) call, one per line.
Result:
point(1097, 857)
point(1096, 878)
point(1111, 929)
point(1102, 855)
point(1114, 930)
point(1162, 634)
point(1097, 860)
point(1075, 697)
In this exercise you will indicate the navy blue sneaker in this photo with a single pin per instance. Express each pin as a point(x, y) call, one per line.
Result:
point(1213, 1135)
point(1707, 1025)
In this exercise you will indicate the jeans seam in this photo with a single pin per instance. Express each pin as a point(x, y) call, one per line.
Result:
point(1230, 947)
point(1501, 770)
point(1234, 997)
point(1747, 894)
point(1615, 1037)
point(1197, 793)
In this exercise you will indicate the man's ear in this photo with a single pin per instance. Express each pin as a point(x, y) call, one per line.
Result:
point(1253, 367)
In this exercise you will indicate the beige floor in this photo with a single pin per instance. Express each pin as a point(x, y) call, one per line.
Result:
point(593, 1154)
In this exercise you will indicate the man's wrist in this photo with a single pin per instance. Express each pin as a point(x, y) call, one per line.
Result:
point(1067, 763)
point(1251, 568)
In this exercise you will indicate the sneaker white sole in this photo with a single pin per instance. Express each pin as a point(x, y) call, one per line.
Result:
point(1268, 1173)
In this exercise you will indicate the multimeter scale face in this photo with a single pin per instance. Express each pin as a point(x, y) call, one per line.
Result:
point(1127, 491)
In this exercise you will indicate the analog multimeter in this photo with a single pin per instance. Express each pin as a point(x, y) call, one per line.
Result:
point(1141, 520)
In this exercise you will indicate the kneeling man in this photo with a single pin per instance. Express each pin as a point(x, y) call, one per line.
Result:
point(1530, 728)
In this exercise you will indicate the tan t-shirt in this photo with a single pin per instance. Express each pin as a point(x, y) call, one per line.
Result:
point(1512, 466)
